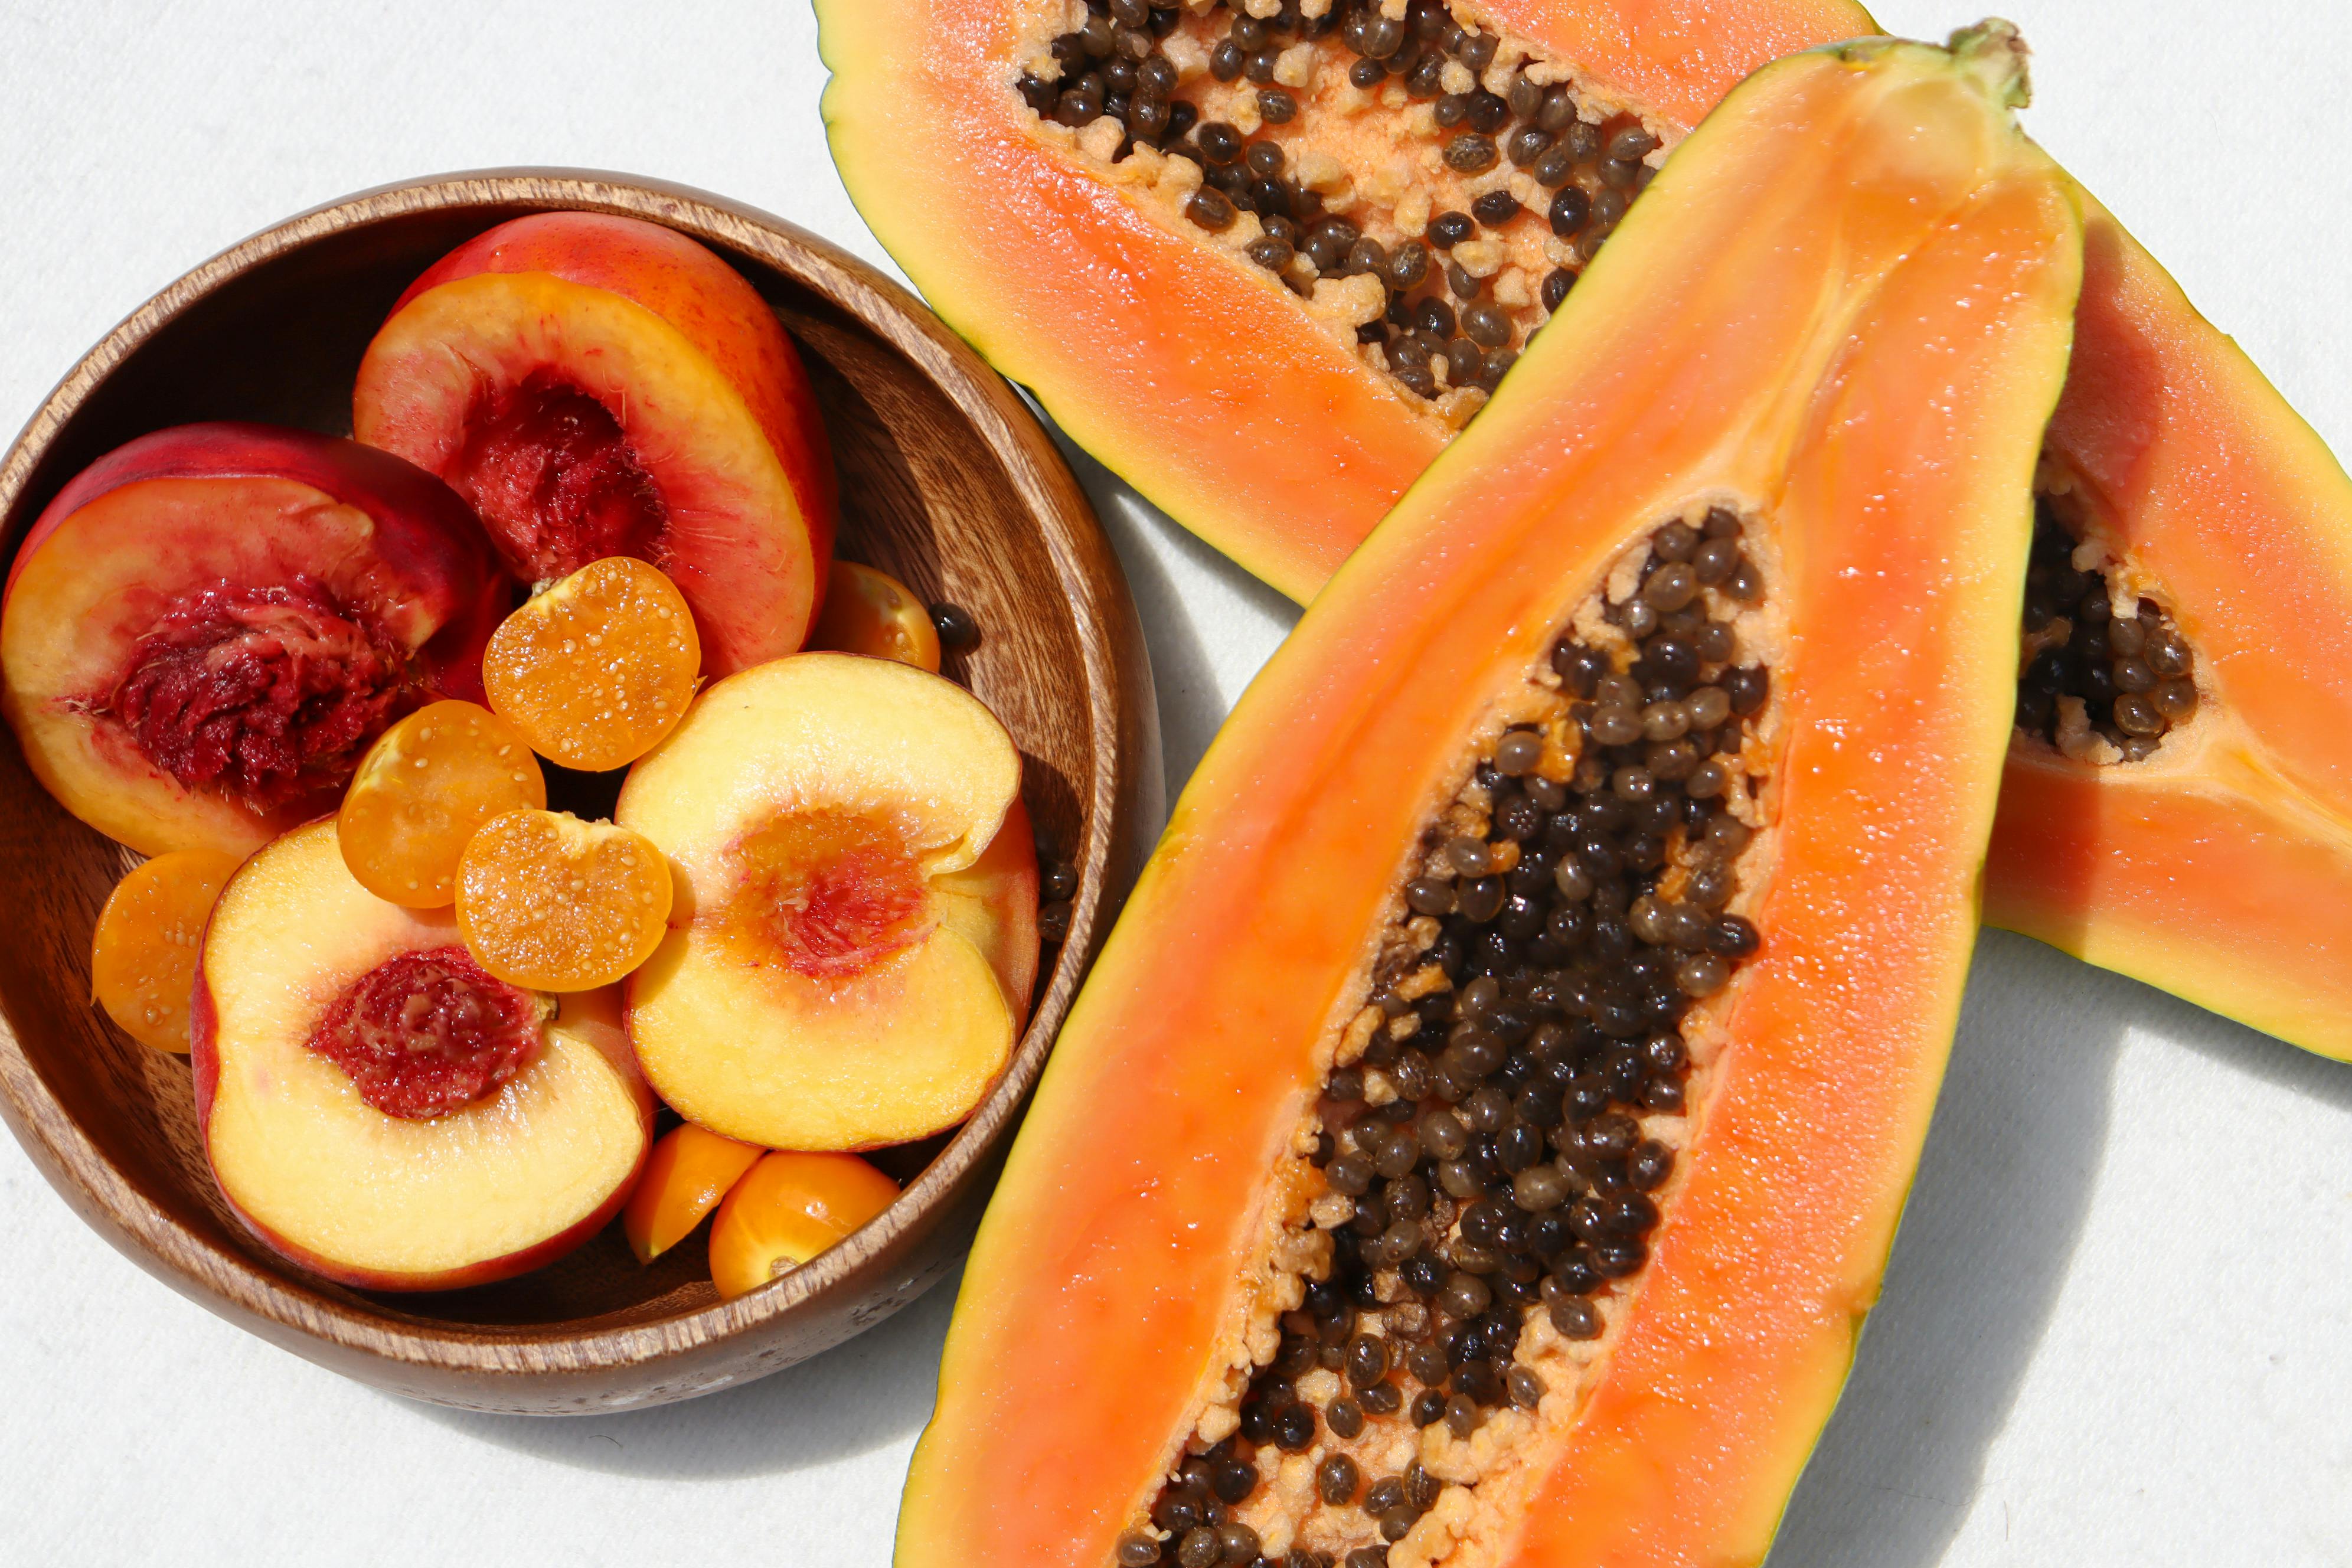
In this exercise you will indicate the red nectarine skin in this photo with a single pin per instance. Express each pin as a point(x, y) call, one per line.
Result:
point(205, 629)
point(626, 393)
point(423, 1033)
point(426, 538)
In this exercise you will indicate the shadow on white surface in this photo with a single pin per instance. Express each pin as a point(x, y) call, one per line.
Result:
point(2003, 1191)
point(874, 1391)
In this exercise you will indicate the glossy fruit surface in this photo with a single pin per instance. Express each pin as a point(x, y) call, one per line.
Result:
point(597, 669)
point(143, 959)
point(507, 1180)
point(1858, 262)
point(873, 613)
point(2230, 512)
point(819, 988)
point(2220, 868)
point(1186, 372)
point(789, 1208)
point(690, 1169)
point(601, 385)
point(421, 792)
point(553, 903)
point(207, 627)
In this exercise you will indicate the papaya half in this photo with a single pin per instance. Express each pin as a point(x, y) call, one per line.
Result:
point(1482, 1136)
point(1264, 264)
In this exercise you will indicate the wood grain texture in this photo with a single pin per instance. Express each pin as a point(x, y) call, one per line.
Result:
point(947, 482)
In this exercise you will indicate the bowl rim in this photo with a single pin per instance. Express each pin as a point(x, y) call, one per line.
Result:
point(1124, 738)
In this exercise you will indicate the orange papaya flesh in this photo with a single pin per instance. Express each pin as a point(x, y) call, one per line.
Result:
point(2216, 865)
point(1839, 320)
point(1253, 417)
point(1235, 408)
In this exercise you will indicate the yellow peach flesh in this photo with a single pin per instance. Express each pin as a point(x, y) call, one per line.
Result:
point(315, 1169)
point(98, 568)
point(835, 785)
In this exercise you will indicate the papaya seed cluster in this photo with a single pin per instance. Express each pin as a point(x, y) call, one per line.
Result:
point(1440, 186)
point(1497, 1137)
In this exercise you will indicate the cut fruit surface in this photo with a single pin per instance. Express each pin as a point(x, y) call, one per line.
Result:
point(207, 627)
point(600, 385)
point(597, 669)
point(993, 903)
point(1070, 254)
point(817, 989)
point(690, 1169)
point(2201, 844)
point(423, 789)
point(1570, 920)
point(791, 1207)
point(143, 956)
point(1208, 243)
point(873, 613)
point(547, 900)
point(491, 1186)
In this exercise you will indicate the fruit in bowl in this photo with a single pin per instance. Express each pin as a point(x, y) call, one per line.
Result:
point(295, 670)
point(598, 386)
point(381, 1109)
point(819, 989)
point(206, 628)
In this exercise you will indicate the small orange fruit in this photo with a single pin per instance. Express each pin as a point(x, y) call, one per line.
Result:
point(791, 1207)
point(143, 956)
point(685, 1175)
point(422, 790)
point(597, 669)
point(553, 903)
point(873, 613)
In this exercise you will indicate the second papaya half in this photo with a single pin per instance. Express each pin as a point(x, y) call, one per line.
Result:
point(1483, 1135)
point(1265, 268)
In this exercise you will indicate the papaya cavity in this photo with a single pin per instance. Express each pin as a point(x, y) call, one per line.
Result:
point(1474, 1192)
point(1430, 188)
point(2103, 675)
point(1594, 869)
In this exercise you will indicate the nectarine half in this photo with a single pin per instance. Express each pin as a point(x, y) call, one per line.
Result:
point(829, 981)
point(207, 627)
point(381, 1110)
point(599, 385)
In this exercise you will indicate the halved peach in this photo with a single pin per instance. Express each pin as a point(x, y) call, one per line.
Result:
point(791, 1207)
point(819, 989)
point(870, 612)
point(599, 385)
point(691, 1168)
point(379, 1109)
point(993, 903)
point(207, 627)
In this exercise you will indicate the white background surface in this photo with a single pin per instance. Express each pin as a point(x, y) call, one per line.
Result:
point(2117, 1327)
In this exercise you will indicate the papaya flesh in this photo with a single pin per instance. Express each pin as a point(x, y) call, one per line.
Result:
point(1482, 1136)
point(2211, 856)
point(1249, 413)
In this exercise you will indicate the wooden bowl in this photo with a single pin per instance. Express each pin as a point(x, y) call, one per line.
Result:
point(947, 481)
